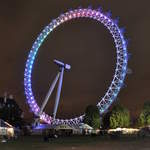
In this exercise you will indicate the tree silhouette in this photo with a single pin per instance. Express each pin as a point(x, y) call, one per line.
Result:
point(144, 118)
point(120, 117)
point(92, 117)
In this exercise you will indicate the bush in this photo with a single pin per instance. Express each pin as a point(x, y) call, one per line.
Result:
point(119, 117)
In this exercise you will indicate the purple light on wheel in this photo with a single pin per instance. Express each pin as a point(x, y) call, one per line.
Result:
point(121, 62)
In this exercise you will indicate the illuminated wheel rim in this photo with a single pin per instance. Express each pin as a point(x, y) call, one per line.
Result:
point(120, 70)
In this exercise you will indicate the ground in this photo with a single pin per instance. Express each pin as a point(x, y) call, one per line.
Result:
point(77, 143)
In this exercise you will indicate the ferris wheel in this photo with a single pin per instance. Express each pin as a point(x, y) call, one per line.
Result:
point(118, 78)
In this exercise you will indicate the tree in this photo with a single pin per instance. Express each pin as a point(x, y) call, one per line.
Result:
point(120, 117)
point(106, 120)
point(92, 117)
point(144, 118)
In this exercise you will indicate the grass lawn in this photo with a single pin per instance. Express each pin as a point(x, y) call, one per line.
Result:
point(77, 143)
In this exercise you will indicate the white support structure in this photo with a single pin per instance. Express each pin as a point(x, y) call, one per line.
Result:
point(58, 92)
point(49, 93)
point(59, 77)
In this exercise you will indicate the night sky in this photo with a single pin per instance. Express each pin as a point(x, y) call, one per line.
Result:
point(83, 43)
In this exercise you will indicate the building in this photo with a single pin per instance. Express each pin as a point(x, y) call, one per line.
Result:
point(10, 110)
point(6, 129)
